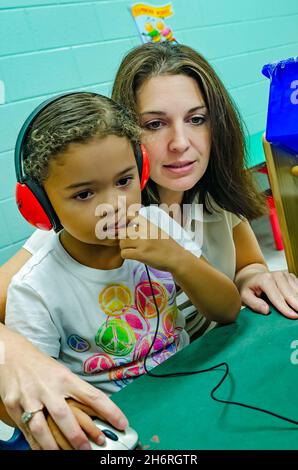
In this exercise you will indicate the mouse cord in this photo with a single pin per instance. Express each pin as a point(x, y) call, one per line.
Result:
point(217, 366)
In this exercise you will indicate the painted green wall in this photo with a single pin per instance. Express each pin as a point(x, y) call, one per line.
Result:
point(48, 47)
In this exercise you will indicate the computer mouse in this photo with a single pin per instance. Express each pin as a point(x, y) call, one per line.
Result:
point(115, 439)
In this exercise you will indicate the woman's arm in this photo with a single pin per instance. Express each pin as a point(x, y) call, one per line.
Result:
point(29, 379)
point(253, 277)
point(7, 271)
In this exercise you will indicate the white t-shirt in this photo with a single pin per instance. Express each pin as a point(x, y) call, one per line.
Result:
point(99, 323)
point(215, 241)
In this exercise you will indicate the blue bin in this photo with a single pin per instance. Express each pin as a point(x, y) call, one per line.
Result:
point(282, 116)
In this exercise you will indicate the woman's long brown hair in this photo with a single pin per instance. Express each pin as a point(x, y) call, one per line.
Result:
point(226, 178)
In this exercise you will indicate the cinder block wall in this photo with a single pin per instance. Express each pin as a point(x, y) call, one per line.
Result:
point(49, 47)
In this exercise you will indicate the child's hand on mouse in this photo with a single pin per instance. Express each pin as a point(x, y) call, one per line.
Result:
point(82, 414)
point(143, 241)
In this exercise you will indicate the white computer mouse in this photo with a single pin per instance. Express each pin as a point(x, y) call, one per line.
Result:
point(115, 439)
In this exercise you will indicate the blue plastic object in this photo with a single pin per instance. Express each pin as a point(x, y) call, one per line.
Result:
point(282, 116)
point(16, 442)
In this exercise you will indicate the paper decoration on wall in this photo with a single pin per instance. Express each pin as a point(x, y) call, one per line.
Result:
point(152, 22)
point(2, 92)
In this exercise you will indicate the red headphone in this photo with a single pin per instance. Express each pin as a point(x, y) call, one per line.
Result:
point(31, 198)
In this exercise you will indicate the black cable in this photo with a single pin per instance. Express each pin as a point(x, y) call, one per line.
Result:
point(222, 364)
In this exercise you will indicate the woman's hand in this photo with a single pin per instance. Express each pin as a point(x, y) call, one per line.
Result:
point(30, 380)
point(254, 279)
point(147, 243)
point(82, 414)
point(280, 287)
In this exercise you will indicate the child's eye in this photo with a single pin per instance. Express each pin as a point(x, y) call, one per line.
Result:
point(153, 125)
point(197, 120)
point(125, 181)
point(83, 196)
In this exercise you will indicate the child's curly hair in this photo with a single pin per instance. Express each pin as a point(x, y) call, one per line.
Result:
point(77, 117)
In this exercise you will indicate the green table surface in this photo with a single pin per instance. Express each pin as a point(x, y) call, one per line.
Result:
point(178, 413)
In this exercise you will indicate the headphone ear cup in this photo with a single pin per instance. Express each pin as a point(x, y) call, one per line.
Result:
point(30, 207)
point(28, 197)
point(145, 174)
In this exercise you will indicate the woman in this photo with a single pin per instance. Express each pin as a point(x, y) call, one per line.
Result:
point(172, 90)
point(196, 147)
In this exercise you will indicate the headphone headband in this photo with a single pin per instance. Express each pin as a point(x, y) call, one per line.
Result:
point(24, 131)
point(32, 200)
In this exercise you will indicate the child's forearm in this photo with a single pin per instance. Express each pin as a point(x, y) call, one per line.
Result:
point(4, 416)
point(212, 292)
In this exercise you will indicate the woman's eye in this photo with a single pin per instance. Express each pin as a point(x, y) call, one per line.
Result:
point(197, 120)
point(153, 125)
point(84, 195)
point(124, 181)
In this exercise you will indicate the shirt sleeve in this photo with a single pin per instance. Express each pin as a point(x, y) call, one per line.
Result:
point(235, 220)
point(37, 240)
point(27, 314)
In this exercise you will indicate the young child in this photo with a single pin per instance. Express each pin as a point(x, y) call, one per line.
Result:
point(78, 299)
